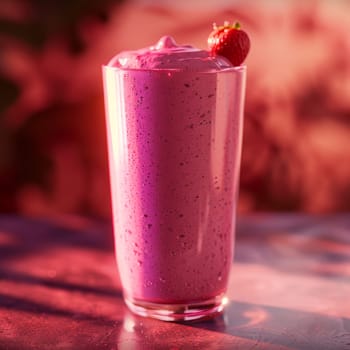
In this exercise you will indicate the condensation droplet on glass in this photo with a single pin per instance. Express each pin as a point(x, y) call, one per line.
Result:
point(148, 283)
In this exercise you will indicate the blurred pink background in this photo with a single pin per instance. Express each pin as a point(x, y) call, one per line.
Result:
point(53, 158)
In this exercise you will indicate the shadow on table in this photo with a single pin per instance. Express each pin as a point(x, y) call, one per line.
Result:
point(24, 236)
point(314, 245)
point(23, 278)
point(59, 262)
point(13, 303)
point(281, 327)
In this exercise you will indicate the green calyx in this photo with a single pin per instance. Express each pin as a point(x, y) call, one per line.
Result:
point(227, 25)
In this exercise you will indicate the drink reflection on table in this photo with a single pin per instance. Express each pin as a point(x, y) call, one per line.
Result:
point(141, 333)
point(235, 326)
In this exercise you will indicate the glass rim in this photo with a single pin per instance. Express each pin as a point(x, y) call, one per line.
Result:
point(238, 69)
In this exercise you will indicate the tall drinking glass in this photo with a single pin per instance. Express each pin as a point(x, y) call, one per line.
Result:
point(174, 141)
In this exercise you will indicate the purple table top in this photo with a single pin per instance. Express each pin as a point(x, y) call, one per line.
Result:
point(290, 288)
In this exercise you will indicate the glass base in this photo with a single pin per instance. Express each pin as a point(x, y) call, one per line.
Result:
point(178, 312)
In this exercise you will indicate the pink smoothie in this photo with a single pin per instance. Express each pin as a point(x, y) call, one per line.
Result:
point(174, 134)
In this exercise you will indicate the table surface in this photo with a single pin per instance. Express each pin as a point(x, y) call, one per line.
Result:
point(289, 289)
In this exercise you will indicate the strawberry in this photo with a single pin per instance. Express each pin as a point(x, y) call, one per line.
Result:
point(229, 41)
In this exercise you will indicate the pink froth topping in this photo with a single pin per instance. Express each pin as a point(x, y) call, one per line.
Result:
point(166, 54)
